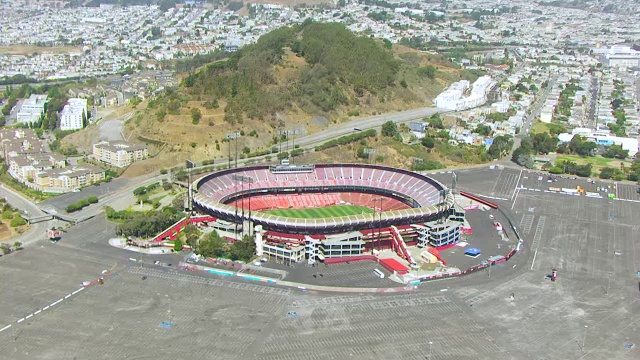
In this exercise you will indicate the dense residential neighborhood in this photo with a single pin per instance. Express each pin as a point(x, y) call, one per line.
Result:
point(538, 64)
point(112, 39)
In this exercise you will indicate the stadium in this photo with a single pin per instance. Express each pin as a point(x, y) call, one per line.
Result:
point(331, 210)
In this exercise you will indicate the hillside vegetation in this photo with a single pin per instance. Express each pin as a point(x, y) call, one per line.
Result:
point(335, 68)
point(303, 77)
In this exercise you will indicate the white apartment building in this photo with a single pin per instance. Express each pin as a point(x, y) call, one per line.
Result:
point(73, 115)
point(458, 96)
point(32, 109)
point(619, 56)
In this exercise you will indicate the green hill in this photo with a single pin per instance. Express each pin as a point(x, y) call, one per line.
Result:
point(315, 67)
point(305, 77)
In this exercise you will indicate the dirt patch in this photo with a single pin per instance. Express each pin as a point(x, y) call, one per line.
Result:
point(29, 50)
point(7, 233)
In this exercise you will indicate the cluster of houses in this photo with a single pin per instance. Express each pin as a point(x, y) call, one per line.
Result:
point(30, 163)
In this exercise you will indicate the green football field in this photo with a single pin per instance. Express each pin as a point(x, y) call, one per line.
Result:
point(325, 212)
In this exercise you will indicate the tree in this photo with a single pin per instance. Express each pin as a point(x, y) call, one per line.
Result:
point(192, 234)
point(196, 115)
point(578, 145)
point(556, 129)
point(242, 250)
point(17, 245)
point(435, 121)
point(615, 151)
point(428, 71)
point(177, 245)
point(390, 129)
point(543, 143)
point(428, 142)
point(501, 145)
point(483, 130)
point(212, 246)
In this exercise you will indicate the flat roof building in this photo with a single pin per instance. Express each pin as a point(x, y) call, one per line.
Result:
point(32, 109)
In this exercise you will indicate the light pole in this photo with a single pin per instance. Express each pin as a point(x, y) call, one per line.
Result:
point(380, 217)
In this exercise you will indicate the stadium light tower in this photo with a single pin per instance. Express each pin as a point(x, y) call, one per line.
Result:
point(189, 165)
point(380, 199)
point(232, 136)
point(248, 180)
point(454, 182)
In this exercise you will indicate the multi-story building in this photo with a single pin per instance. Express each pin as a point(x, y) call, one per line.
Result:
point(29, 162)
point(73, 116)
point(460, 96)
point(19, 141)
point(119, 154)
point(67, 179)
point(32, 109)
point(24, 168)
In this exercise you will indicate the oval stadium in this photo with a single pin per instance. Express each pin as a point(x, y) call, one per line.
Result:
point(400, 197)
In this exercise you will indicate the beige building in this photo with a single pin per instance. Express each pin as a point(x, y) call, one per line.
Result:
point(25, 167)
point(29, 162)
point(119, 154)
point(66, 179)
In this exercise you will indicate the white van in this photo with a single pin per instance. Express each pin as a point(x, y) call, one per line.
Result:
point(379, 273)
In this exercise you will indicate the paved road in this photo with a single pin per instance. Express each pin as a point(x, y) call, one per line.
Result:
point(347, 128)
point(366, 123)
point(20, 202)
point(57, 205)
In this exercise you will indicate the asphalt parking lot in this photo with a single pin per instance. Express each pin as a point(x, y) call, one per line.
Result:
point(353, 274)
point(590, 312)
point(485, 237)
point(59, 203)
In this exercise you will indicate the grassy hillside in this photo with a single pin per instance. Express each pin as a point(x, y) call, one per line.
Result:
point(304, 77)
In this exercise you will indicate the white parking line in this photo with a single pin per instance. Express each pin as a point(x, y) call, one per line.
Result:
point(77, 291)
point(45, 308)
point(5, 328)
point(28, 316)
point(68, 296)
point(534, 259)
point(56, 302)
point(37, 312)
point(19, 321)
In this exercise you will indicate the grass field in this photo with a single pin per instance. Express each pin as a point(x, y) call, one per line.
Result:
point(597, 162)
point(325, 212)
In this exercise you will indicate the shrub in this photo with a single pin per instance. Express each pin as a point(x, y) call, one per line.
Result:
point(18, 221)
point(92, 199)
